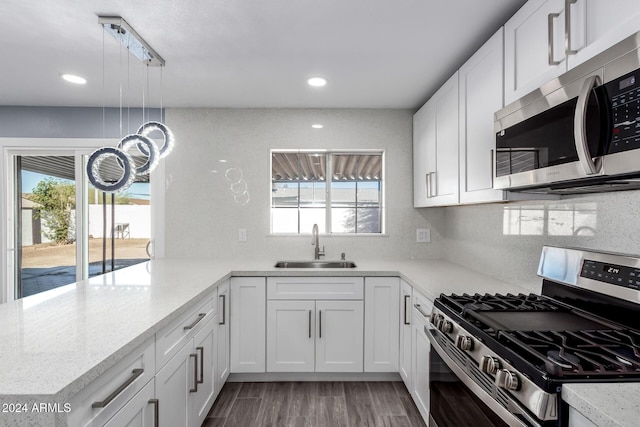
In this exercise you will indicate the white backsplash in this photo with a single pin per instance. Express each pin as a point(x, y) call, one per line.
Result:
point(505, 239)
point(206, 201)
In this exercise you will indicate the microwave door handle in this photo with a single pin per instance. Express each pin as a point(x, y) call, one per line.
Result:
point(579, 133)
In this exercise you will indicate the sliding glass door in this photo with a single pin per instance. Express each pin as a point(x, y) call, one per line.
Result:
point(65, 230)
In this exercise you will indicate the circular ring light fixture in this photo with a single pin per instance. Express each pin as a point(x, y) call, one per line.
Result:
point(124, 160)
point(150, 150)
point(149, 127)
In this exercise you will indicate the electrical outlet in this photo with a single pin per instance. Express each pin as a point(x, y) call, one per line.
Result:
point(242, 234)
point(423, 235)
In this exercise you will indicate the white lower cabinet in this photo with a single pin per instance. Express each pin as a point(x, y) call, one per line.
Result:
point(223, 360)
point(421, 347)
point(291, 336)
point(140, 411)
point(381, 326)
point(320, 336)
point(405, 334)
point(205, 345)
point(248, 334)
point(339, 344)
point(173, 384)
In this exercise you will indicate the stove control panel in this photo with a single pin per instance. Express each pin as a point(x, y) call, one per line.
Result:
point(620, 275)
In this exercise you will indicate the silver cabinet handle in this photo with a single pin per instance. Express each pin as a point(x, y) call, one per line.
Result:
point(201, 350)
point(195, 373)
point(493, 164)
point(428, 188)
point(309, 323)
point(579, 134)
point(320, 323)
point(195, 322)
point(134, 374)
point(224, 309)
point(156, 411)
point(567, 27)
point(417, 306)
point(405, 309)
point(551, 17)
point(435, 183)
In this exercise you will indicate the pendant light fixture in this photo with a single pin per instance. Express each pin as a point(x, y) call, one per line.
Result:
point(138, 47)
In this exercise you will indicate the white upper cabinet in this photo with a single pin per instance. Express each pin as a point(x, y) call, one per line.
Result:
point(546, 38)
point(481, 85)
point(533, 47)
point(435, 148)
point(595, 25)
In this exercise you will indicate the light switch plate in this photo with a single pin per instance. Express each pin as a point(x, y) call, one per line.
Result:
point(423, 235)
point(242, 234)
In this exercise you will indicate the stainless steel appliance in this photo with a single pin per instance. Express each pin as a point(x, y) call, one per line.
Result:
point(579, 133)
point(501, 360)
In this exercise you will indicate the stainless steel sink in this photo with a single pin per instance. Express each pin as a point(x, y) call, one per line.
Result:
point(315, 264)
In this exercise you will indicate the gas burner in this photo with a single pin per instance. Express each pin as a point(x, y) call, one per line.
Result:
point(488, 302)
point(563, 359)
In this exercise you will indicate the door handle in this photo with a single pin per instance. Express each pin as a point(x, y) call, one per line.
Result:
point(551, 17)
point(201, 350)
point(134, 374)
point(567, 27)
point(195, 322)
point(224, 309)
point(405, 309)
point(156, 411)
point(309, 323)
point(579, 134)
point(319, 323)
point(195, 372)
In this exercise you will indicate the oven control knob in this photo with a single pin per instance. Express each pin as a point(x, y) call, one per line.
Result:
point(489, 364)
point(435, 317)
point(507, 380)
point(446, 326)
point(464, 342)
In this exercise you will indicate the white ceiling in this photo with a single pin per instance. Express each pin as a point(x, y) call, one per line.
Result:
point(242, 53)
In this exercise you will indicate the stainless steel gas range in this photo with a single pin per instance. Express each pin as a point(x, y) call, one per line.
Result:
point(502, 359)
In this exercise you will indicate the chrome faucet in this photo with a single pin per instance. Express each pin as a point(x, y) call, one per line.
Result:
point(317, 253)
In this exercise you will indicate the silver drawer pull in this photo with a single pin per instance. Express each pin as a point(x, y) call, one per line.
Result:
point(135, 374)
point(195, 322)
point(405, 309)
point(417, 306)
point(156, 411)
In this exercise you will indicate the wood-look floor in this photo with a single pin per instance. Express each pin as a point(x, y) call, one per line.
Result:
point(317, 404)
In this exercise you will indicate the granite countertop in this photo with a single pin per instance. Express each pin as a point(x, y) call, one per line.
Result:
point(62, 339)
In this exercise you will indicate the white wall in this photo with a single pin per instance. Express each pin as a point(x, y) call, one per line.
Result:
point(204, 210)
point(137, 216)
point(505, 240)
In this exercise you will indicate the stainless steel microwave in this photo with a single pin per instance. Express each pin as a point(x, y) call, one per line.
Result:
point(579, 133)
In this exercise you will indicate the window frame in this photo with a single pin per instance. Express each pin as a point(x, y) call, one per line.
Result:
point(328, 193)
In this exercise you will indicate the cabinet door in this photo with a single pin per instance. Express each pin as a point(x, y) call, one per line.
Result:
point(597, 25)
point(424, 139)
point(290, 336)
point(339, 342)
point(421, 348)
point(138, 412)
point(535, 32)
point(481, 86)
point(205, 343)
point(248, 335)
point(444, 178)
point(223, 361)
point(173, 383)
point(405, 333)
point(382, 329)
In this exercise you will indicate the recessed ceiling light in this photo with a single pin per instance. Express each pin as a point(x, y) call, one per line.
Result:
point(317, 126)
point(317, 81)
point(74, 79)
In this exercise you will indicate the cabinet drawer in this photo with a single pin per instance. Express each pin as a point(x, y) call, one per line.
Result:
point(128, 377)
point(176, 334)
point(322, 288)
point(422, 306)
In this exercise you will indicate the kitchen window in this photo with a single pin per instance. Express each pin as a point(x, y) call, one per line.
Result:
point(340, 191)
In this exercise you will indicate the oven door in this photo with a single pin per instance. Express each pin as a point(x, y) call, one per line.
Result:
point(456, 399)
point(558, 137)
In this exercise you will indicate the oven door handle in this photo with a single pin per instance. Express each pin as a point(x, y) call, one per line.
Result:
point(505, 414)
point(579, 127)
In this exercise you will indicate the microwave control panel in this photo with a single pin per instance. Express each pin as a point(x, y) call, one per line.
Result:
point(624, 98)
